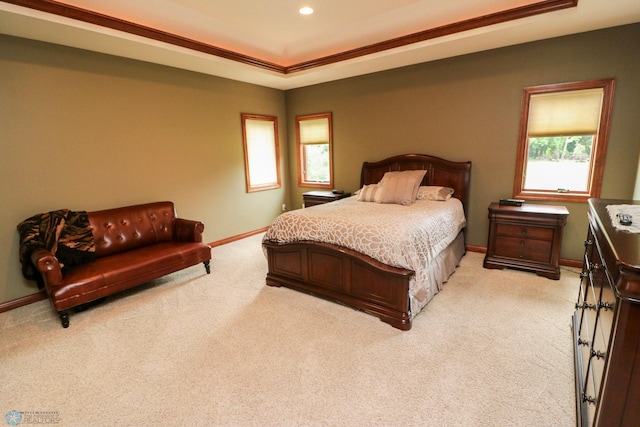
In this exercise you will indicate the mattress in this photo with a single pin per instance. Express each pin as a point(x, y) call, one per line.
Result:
point(424, 237)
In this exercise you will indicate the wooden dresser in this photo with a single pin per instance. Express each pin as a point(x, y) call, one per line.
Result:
point(528, 237)
point(606, 324)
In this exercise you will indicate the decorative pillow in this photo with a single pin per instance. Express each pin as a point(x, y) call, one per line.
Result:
point(401, 187)
point(368, 193)
point(434, 193)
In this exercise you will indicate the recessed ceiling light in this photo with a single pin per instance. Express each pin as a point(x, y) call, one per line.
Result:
point(306, 10)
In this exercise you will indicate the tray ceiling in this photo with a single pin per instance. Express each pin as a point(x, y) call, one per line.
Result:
point(271, 44)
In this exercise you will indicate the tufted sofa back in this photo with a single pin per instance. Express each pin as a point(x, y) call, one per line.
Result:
point(126, 228)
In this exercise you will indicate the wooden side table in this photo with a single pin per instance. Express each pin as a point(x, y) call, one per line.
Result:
point(527, 237)
point(313, 198)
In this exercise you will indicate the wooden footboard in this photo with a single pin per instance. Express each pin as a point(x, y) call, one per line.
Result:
point(342, 275)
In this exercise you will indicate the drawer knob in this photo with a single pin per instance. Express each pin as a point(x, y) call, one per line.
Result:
point(524, 232)
point(588, 399)
point(586, 306)
point(598, 354)
point(522, 243)
point(605, 305)
point(583, 342)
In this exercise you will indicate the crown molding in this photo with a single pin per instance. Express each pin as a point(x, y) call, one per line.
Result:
point(88, 16)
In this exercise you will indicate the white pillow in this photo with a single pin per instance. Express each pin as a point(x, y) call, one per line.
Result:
point(434, 193)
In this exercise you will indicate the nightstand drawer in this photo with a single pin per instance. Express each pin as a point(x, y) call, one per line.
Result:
point(524, 231)
point(515, 245)
point(313, 198)
point(524, 255)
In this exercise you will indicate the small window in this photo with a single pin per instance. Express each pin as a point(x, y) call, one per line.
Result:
point(563, 141)
point(261, 155)
point(314, 141)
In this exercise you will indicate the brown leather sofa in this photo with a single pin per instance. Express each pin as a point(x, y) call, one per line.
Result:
point(133, 245)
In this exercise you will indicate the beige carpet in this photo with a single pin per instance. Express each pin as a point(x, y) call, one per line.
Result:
point(492, 349)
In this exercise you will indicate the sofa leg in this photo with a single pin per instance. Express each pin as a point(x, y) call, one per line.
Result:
point(64, 318)
point(207, 266)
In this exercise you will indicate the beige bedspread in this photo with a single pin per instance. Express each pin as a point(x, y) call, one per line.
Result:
point(403, 236)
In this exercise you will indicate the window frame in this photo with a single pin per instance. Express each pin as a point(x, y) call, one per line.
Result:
point(261, 186)
point(598, 148)
point(302, 182)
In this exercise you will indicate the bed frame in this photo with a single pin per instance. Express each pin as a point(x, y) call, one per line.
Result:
point(354, 279)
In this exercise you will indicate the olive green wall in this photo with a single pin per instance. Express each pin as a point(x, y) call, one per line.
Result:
point(87, 131)
point(468, 108)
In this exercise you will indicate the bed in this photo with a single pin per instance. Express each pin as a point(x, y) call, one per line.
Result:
point(390, 268)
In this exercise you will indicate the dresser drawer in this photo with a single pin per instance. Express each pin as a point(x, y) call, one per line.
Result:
point(592, 383)
point(606, 302)
point(524, 231)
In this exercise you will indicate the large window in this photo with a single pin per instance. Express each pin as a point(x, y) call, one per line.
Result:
point(261, 155)
point(314, 142)
point(563, 141)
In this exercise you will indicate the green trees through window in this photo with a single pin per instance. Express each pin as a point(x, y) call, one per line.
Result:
point(559, 163)
point(577, 148)
point(563, 139)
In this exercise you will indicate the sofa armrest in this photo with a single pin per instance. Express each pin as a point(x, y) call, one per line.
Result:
point(48, 266)
point(185, 230)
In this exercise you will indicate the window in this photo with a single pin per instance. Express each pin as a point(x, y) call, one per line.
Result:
point(261, 156)
point(314, 143)
point(563, 141)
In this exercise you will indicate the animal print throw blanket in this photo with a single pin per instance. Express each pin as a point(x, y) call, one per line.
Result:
point(66, 234)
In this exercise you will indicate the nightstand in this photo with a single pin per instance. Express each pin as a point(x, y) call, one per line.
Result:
point(527, 237)
point(313, 198)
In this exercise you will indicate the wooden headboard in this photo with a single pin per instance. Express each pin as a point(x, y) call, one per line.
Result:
point(439, 172)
